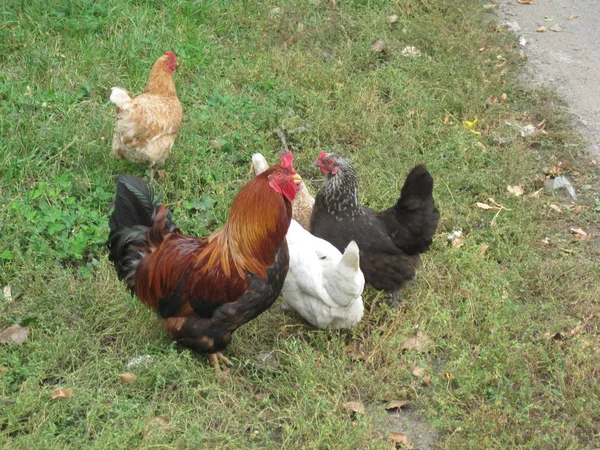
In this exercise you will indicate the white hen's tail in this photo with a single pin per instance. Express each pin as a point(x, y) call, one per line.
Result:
point(121, 98)
point(259, 163)
point(345, 283)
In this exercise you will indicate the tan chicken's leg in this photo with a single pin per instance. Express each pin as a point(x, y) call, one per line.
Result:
point(214, 358)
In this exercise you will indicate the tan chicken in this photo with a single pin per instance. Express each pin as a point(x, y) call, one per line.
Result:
point(303, 203)
point(147, 125)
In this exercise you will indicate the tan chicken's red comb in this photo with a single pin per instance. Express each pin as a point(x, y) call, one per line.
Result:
point(287, 160)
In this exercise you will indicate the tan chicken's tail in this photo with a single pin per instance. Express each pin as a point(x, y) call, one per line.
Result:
point(120, 97)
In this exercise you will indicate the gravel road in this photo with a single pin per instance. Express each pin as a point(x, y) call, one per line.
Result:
point(568, 59)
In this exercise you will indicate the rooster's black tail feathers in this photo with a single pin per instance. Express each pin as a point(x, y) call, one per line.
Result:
point(134, 212)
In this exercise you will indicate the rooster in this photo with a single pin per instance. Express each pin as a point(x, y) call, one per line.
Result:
point(205, 288)
point(390, 241)
point(147, 125)
point(322, 285)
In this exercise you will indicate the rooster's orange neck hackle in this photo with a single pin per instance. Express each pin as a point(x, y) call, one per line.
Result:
point(258, 221)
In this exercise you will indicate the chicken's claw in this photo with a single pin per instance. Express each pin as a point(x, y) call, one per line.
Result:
point(214, 358)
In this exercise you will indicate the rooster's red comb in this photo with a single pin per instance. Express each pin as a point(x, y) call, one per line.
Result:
point(287, 160)
point(321, 156)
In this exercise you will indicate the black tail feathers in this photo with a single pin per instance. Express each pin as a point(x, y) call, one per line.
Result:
point(417, 188)
point(133, 215)
point(416, 212)
point(134, 204)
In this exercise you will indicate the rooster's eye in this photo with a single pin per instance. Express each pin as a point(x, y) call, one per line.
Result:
point(278, 173)
point(328, 161)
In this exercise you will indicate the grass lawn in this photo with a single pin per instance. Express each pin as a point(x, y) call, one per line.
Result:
point(512, 314)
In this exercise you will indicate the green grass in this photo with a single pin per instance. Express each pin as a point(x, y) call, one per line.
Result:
point(515, 329)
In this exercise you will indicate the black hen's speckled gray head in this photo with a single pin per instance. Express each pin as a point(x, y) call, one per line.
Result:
point(331, 163)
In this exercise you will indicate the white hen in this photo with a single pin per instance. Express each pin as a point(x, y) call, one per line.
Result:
point(322, 285)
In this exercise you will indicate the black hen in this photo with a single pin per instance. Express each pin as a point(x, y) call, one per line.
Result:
point(390, 241)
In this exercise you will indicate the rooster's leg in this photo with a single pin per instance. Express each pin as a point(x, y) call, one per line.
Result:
point(214, 361)
point(214, 358)
point(190, 332)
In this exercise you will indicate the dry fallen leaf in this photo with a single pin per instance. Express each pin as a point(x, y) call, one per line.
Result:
point(15, 334)
point(127, 378)
point(556, 27)
point(483, 249)
point(536, 194)
point(161, 420)
point(485, 206)
point(393, 18)
point(516, 190)
point(541, 29)
point(457, 242)
point(555, 208)
point(377, 46)
point(410, 52)
point(7, 291)
point(396, 404)
point(574, 16)
point(556, 169)
point(546, 241)
point(399, 438)
point(61, 393)
point(357, 407)
point(503, 97)
point(426, 380)
point(580, 234)
point(580, 328)
point(491, 100)
point(3, 370)
point(525, 2)
point(421, 342)
point(417, 371)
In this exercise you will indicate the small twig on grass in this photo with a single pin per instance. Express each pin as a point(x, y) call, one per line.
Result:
point(283, 134)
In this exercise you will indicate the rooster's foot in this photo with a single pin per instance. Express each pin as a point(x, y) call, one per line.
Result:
point(214, 358)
